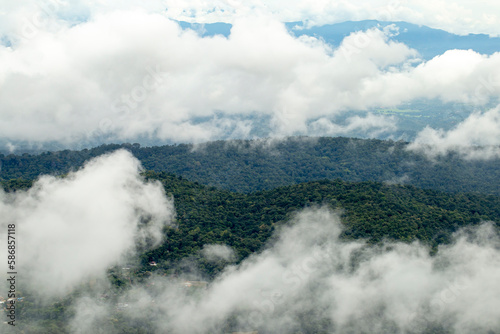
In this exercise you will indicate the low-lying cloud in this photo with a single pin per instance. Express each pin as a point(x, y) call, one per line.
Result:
point(214, 253)
point(127, 73)
point(311, 281)
point(476, 138)
point(463, 17)
point(70, 230)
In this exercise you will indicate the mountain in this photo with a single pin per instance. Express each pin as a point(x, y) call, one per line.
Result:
point(372, 211)
point(247, 223)
point(427, 41)
point(248, 166)
point(241, 195)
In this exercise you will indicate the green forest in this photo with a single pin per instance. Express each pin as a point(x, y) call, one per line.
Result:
point(371, 211)
point(247, 166)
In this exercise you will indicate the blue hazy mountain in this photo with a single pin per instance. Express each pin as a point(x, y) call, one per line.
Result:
point(208, 29)
point(428, 41)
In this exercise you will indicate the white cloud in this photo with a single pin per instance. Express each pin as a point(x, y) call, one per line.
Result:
point(461, 17)
point(134, 73)
point(456, 75)
point(126, 71)
point(71, 229)
point(214, 253)
point(310, 277)
point(478, 137)
point(371, 125)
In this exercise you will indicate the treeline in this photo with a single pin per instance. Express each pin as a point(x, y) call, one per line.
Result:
point(247, 166)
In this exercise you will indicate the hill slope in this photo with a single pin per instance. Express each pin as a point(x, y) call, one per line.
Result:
point(372, 211)
point(247, 222)
point(247, 166)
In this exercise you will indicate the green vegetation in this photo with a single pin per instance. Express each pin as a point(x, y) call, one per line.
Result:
point(247, 219)
point(372, 211)
point(248, 166)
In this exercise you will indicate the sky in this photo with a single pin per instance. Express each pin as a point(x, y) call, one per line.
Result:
point(91, 71)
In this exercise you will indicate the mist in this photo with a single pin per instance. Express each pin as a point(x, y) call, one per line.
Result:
point(214, 253)
point(123, 73)
point(476, 138)
point(82, 73)
point(310, 280)
point(70, 229)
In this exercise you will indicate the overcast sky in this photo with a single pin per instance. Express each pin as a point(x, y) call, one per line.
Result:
point(73, 71)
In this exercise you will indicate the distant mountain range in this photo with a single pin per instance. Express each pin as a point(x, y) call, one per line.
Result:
point(427, 41)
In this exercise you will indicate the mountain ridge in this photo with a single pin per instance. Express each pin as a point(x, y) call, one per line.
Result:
point(247, 166)
point(430, 42)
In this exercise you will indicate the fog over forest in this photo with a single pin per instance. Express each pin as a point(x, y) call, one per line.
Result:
point(128, 72)
point(306, 167)
point(304, 277)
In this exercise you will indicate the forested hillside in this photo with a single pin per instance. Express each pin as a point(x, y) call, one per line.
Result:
point(240, 194)
point(247, 166)
point(245, 222)
point(196, 167)
point(371, 210)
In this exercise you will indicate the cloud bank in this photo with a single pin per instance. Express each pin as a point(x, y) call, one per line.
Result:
point(476, 138)
point(125, 74)
point(71, 229)
point(463, 17)
point(93, 72)
point(311, 281)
